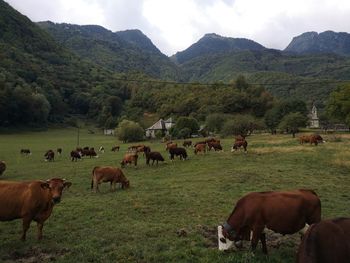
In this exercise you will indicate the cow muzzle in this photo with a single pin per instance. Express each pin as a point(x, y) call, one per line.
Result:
point(56, 199)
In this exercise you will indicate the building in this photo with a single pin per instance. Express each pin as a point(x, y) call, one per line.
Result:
point(314, 121)
point(160, 126)
point(108, 132)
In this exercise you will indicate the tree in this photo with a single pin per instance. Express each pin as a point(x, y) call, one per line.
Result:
point(214, 122)
point(129, 131)
point(338, 105)
point(272, 119)
point(292, 122)
point(241, 125)
point(185, 122)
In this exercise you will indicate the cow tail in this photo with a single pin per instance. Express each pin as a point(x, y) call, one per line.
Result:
point(92, 177)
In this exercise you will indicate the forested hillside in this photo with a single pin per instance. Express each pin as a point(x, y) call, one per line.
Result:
point(127, 51)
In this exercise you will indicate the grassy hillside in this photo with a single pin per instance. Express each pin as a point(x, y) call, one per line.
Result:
point(192, 197)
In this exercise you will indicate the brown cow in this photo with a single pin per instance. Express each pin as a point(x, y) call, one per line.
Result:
point(129, 159)
point(2, 167)
point(284, 212)
point(115, 148)
point(89, 152)
point(26, 152)
point(75, 155)
point(49, 156)
point(178, 152)
point(30, 201)
point(200, 148)
point(214, 145)
point(187, 143)
point(170, 146)
point(143, 149)
point(326, 242)
point(154, 156)
point(134, 147)
point(238, 144)
point(312, 139)
point(108, 174)
point(212, 140)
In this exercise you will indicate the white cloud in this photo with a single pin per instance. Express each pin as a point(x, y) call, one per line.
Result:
point(173, 25)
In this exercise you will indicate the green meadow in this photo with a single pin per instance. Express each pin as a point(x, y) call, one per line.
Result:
point(171, 211)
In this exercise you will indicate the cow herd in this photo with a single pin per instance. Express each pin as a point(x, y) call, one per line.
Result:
point(284, 212)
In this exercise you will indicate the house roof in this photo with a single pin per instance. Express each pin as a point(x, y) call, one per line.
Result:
point(159, 125)
point(170, 120)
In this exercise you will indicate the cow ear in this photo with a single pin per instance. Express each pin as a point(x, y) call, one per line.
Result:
point(67, 184)
point(44, 185)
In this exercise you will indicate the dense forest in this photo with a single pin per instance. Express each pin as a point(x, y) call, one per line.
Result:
point(55, 73)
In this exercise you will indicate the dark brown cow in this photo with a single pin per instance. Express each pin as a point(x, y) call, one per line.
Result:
point(214, 145)
point(201, 142)
point(154, 156)
point(2, 167)
point(129, 159)
point(89, 152)
point(108, 174)
point(31, 201)
point(75, 155)
point(143, 149)
point(187, 143)
point(200, 148)
point(26, 152)
point(212, 140)
point(326, 242)
point(178, 152)
point(50, 156)
point(115, 148)
point(284, 212)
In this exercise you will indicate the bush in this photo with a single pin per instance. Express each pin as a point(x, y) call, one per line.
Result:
point(184, 126)
point(184, 133)
point(129, 131)
point(241, 125)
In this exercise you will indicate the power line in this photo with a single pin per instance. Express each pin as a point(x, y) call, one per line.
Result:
point(323, 82)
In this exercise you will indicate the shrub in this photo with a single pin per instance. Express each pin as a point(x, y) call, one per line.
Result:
point(129, 131)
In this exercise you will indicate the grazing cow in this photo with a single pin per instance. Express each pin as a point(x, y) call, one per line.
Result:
point(312, 139)
point(115, 148)
point(187, 144)
point(49, 156)
point(59, 151)
point(212, 140)
point(326, 242)
point(101, 149)
point(30, 201)
point(178, 152)
point(75, 155)
point(214, 145)
point(2, 167)
point(143, 149)
point(86, 148)
point(129, 159)
point(134, 147)
point(154, 156)
point(238, 144)
point(200, 148)
point(201, 142)
point(284, 212)
point(89, 152)
point(170, 146)
point(26, 152)
point(108, 174)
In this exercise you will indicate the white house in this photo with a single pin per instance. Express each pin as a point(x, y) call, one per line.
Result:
point(313, 118)
point(162, 126)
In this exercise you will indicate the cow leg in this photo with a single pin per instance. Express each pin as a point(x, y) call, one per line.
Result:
point(40, 226)
point(26, 224)
point(257, 231)
point(263, 242)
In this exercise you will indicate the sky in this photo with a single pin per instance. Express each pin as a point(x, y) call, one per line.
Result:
point(174, 25)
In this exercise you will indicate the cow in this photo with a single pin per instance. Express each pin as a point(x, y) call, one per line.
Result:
point(284, 212)
point(200, 148)
point(200, 142)
point(115, 148)
point(25, 152)
point(2, 167)
point(312, 139)
point(75, 155)
point(101, 149)
point(178, 152)
point(326, 242)
point(129, 159)
point(214, 145)
point(187, 143)
point(154, 156)
point(89, 152)
point(143, 149)
point(212, 140)
point(134, 147)
point(59, 151)
point(170, 146)
point(49, 156)
point(108, 174)
point(238, 144)
point(32, 200)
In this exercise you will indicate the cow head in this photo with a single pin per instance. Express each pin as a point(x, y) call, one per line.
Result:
point(56, 186)
point(126, 184)
point(229, 233)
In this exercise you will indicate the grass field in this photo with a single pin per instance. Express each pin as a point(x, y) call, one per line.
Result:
point(141, 224)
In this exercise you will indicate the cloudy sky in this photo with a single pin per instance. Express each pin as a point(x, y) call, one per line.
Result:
point(173, 25)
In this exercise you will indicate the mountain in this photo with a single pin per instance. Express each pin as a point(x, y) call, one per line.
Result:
point(215, 44)
point(125, 51)
point(326, 42)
